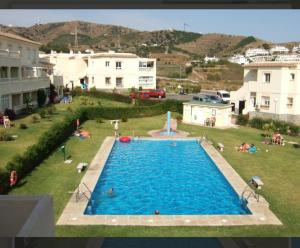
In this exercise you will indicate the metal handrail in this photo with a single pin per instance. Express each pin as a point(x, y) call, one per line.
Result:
point(80, 193)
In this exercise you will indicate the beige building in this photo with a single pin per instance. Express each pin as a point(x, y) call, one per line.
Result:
point(20, 73)
point(202, 113)
point(104, 70)
point(270, 90)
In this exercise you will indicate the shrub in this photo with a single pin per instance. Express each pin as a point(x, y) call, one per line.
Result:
point(242, 120)
point(179, 118)
point(41, 97)
point(4, 136)
point(124, 119)
point(69, 109)
point(42, 113)
point(99, 120)
point(23, 126)
point(10, 113)
point(51, 110)
point(35, 119)
point(99, 103)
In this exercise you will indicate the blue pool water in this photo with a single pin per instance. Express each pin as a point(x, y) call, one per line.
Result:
point(175, 178)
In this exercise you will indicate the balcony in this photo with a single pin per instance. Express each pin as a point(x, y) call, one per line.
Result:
point(147, 69)
point(10, 54)
point(14, 85)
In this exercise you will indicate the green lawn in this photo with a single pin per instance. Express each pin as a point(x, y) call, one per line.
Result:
point(279, 169)
point(29, 136)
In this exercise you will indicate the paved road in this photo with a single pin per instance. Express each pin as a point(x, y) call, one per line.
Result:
point(189, 96)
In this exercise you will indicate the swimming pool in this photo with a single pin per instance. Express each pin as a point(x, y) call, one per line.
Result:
point(175, 177)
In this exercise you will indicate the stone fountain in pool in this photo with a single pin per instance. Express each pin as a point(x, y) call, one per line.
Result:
point(169, 130)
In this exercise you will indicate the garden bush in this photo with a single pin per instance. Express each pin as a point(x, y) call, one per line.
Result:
point(242, 120)
point(42, 113)
point(23, 126)
point(34, 118)
point(10, 113)
point(124, 119)
point(41, 97)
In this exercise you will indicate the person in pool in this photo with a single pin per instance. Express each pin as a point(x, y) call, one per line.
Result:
point(173, 143)
point(111, 191)
point(156, 212)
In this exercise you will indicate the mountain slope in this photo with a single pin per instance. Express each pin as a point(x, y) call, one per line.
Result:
point(60, 36)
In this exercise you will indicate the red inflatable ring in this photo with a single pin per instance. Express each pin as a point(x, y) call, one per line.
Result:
point(125, 139)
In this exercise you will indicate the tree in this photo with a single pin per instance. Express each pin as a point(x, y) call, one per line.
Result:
point(266, 46)
point(41, 97)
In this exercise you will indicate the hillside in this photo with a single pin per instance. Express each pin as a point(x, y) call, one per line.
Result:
point(60, 36)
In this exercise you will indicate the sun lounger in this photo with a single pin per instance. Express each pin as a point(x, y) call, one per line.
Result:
point(220, 147)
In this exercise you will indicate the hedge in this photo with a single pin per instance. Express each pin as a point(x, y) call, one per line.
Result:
point(59, 132)
point(112, 96)
point(281, 126)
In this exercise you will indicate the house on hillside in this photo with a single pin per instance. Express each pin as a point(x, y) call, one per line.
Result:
point(21, 75)
point(270, 90)
point(104, 70)
point(238, 59)
point(253, 52)
point(211, 59)
point(279, 50)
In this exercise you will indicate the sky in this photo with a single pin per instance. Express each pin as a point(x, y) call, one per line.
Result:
point(270, 25)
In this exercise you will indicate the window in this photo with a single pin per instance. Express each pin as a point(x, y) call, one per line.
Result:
point(34, 96)
point(292, 76)
point(119, 82)
point(14, 72)
point(107, 63)
point(290, 102)
point(265, 102)
point(4, 72)
point(118, 65)
point(267, 77)
point(26, 97)
point(5, 102)
point(253, 98)
point(107, 80)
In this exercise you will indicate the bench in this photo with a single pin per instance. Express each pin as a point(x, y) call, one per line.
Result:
point(220, 147)
point(81, 166)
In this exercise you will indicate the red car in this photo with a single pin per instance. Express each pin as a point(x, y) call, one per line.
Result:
point(140, 95)
point(159, 93)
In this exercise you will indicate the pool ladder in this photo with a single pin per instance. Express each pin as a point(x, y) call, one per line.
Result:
point(87, 193)
point(247, 193)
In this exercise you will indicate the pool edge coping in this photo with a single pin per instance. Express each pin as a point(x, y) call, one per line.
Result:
point(73, 213)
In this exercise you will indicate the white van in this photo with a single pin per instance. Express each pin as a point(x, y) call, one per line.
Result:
point(224, 95)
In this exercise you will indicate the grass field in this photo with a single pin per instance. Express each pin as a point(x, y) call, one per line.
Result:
point(29, 136)
point(279, 169)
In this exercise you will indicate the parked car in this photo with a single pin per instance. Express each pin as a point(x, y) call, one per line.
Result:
point(201, 98)
point(214, 99)
point(140, 95)
point(159, 93)
point(224, 95)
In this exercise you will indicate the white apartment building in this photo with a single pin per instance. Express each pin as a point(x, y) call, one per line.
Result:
point(252, 52)
point(20, 73)
point(270, 90)
point(296, 49)
point(104, 70)
point(287, 57)
point(279, 49)
point(238, 59)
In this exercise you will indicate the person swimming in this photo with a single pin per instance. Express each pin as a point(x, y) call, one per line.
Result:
point(111, 191)
point(173, 143)
point(156, 212)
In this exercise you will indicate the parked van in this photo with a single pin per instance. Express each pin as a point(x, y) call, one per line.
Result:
point(224, 95)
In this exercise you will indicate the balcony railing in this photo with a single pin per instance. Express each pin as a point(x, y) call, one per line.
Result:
point(10, 54)
point(145, 68)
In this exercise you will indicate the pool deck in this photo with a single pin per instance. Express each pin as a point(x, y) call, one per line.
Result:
point(73, 212)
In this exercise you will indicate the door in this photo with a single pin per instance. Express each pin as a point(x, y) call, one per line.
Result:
point(241, 106)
